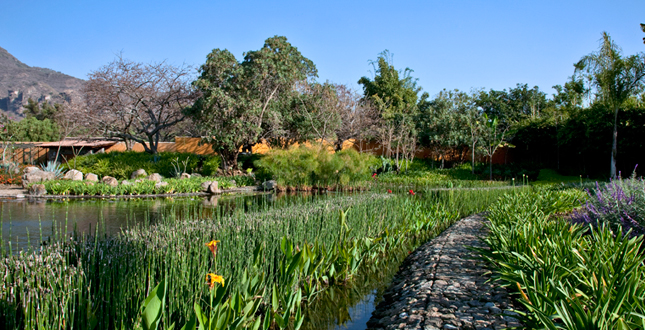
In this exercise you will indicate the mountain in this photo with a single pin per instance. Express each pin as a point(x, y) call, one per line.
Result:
point(19, 82)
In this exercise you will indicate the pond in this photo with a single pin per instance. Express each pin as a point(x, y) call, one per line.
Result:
point(27, 222)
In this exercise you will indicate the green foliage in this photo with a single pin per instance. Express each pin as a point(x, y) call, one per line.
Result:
point(565, 279)
point(259, 252)
point(145, 187)
point(238, 98)
point(305, 167)
point(121, 164)
point(210, 166)
point(31, 129)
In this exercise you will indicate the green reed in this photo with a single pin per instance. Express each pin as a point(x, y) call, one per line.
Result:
point(87, 281)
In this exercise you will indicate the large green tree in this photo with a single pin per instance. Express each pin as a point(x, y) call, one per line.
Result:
point(614, 79)
point(239, 100)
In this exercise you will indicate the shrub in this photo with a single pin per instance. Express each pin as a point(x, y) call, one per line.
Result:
point(619, 203)
point(121, 164)
point(312, 166)
point(210, 166)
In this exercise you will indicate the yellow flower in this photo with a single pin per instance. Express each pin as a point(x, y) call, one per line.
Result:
point(212, 245)
point(211, 279)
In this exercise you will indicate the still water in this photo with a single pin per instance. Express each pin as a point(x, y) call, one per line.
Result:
point(26, 223)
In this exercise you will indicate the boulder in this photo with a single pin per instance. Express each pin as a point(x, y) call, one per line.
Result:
point(91, 177)
point(74, 175)
point(126, 183)
point(110, 181)
point(196, 175)
point(30, 169)
point(213, 188)
point(37, 189)
point(160, 184)
point(269, 185)
point(205, 185)
point(184, 176)
point(154, 177)
point(37, 176)
point(138, 173)
point(233, 183)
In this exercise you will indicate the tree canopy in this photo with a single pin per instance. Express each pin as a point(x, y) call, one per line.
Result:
point(237, 102)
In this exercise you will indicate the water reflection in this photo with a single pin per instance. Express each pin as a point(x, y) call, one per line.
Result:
point(27, 222)
point(351, 306)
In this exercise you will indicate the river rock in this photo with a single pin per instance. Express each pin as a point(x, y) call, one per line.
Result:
point(269, 185)
point(74, 175)
point(213, 188)
point(110, 181)
point(91, 177)
point(37, 190)
point(205, 185)
point(30, 169)
point(196, 175)
point(138, 173)
point(154, 177)
point(37, 176)
point(184, 176)
point(126, 183)
point(160, 184)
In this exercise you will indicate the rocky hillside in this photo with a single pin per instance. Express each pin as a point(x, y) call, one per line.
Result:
point(19, 82)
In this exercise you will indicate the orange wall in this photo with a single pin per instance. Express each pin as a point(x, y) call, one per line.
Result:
point(191, 145)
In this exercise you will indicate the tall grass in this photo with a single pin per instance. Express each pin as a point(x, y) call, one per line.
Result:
point(567, 276)
point(98, 281)
point(302, 168)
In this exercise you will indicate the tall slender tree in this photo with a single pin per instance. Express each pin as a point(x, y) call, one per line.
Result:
point(614, 80)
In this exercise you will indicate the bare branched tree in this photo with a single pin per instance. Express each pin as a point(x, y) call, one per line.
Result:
point(138, 102)
point(357, 114)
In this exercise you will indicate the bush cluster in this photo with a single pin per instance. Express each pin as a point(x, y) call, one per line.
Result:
point(305, 167)
point(121, 164)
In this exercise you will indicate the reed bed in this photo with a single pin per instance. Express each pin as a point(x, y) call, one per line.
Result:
point(99, 281)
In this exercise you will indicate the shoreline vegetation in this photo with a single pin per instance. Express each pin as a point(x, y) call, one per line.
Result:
point(333, 231)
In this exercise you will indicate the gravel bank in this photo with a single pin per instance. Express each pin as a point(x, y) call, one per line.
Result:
point(441, 286)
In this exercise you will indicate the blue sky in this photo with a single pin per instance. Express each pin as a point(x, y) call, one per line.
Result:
point(448, 44)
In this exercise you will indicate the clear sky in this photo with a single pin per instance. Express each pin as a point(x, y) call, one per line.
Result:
point(448, 44)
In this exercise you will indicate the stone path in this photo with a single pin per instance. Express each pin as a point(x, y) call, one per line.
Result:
point(441, 286)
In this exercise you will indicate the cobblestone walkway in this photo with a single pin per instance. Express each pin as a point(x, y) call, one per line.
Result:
point(441, 286)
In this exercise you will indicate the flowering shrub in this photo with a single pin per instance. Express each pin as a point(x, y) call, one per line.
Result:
point(620, 203)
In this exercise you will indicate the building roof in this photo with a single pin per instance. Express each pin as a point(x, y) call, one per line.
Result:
point(78, 143)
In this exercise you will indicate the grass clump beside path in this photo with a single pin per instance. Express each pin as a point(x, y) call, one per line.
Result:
point(567, 276)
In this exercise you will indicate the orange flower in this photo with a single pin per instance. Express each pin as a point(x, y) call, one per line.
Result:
point(212, 245)
point(211, 279)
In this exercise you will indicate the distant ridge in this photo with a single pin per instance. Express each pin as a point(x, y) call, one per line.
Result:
point(19, 82)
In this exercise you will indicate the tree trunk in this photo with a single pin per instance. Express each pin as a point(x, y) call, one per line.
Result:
point(614, 146)
point(472, 159)
point(229, 159)
point(490, 164)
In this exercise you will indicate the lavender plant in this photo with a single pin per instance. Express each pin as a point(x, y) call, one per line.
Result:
point(619, 204)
